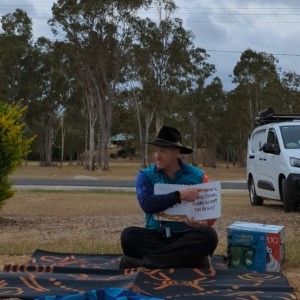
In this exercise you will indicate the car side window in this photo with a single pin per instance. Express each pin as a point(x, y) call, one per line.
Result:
point(272, 139)
point(257, 140)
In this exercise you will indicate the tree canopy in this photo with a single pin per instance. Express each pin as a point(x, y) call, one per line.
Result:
point(110, 71)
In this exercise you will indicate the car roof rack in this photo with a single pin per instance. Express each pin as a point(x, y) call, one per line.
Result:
point(268, 115)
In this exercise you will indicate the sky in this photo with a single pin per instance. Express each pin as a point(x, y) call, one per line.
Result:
point(224, 28)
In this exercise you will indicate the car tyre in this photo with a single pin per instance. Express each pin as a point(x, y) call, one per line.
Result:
point(254, 199)
point(289, 204)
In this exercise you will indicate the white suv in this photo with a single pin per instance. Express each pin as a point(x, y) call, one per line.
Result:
point(273, 160)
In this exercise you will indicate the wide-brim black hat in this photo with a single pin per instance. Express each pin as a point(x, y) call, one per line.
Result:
point(170, 137)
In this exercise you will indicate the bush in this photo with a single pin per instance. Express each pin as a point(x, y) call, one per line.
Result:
point(13, 145)
point(112, 155)
point(125, 152)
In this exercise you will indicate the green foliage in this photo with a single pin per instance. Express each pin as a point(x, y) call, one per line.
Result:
point(112, 71)
point(14, 144)
point(17, 76)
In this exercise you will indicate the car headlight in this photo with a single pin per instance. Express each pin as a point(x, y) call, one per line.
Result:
point(295, 162)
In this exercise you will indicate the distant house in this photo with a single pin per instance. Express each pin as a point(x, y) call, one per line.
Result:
point(120, 140)
point(120, 145)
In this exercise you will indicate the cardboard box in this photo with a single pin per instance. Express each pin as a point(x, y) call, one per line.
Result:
point(255, 247)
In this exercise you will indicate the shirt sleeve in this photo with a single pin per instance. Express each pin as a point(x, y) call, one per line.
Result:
point(149, 202)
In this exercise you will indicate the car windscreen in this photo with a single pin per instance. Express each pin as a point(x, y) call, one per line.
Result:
point(290, 136)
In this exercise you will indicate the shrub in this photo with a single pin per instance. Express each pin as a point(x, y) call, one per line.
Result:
point(125, 152)
point(14, 144)
point(112, 155)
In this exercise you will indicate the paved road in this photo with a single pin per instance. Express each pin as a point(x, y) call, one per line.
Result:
point(24, 183)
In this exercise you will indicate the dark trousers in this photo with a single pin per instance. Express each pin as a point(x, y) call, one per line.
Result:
point(181, 250)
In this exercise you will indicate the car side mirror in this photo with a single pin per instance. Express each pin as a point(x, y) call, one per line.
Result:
point(270, 148)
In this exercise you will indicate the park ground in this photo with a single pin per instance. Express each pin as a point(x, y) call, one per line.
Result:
point(91, 222)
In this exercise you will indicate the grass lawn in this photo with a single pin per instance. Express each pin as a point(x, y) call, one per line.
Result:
point(91, 221)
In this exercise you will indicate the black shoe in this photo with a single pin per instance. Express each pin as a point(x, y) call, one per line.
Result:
point(128, 262)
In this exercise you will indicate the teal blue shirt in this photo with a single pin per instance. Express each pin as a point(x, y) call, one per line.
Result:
point(151, 204)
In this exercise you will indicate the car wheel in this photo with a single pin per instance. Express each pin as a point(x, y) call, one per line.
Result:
point(289, 204)
point(254, 199)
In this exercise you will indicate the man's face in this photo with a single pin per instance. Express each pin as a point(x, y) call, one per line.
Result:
point(165, 156)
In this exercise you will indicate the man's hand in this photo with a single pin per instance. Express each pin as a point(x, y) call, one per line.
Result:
point(192, 222)
point(190, 195)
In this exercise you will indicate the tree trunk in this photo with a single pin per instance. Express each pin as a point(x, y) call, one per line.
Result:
point(49, 140)
point(195, 146)
point(105, 113)
point(149, 118)
point(91, 151)
point(90, 104)
point(90, 100)
point(98, 152)
point(250, 106)
point(159, 120)
point(62, 140)
point(141, 144)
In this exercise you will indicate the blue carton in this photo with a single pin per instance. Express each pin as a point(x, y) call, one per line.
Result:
point(255, 247)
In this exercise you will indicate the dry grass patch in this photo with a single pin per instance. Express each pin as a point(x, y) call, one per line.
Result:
point(87, 221)
point(118, 170)
point(91, 222)
point(122, 169)
point(66, 221)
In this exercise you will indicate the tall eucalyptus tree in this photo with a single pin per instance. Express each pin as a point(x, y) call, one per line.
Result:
point(291, 86)
point(165, 59)
point(50, 100)
point(29, 72)
point(256, 74)
point(258, 86)
point(215, 105)
point(162, 58)
point(17, 66)
point(100, 35)
point(194, 106)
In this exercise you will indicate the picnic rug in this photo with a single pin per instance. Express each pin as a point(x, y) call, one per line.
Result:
point(66, 276)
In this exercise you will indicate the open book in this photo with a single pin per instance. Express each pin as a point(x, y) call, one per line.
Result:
point(207, 206)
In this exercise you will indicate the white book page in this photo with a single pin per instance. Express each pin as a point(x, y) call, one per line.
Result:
point(207, 206)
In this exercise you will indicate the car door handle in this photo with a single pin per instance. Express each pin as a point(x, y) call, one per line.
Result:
point(251, 156)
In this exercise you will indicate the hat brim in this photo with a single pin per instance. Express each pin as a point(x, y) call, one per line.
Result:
point(162, 143)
